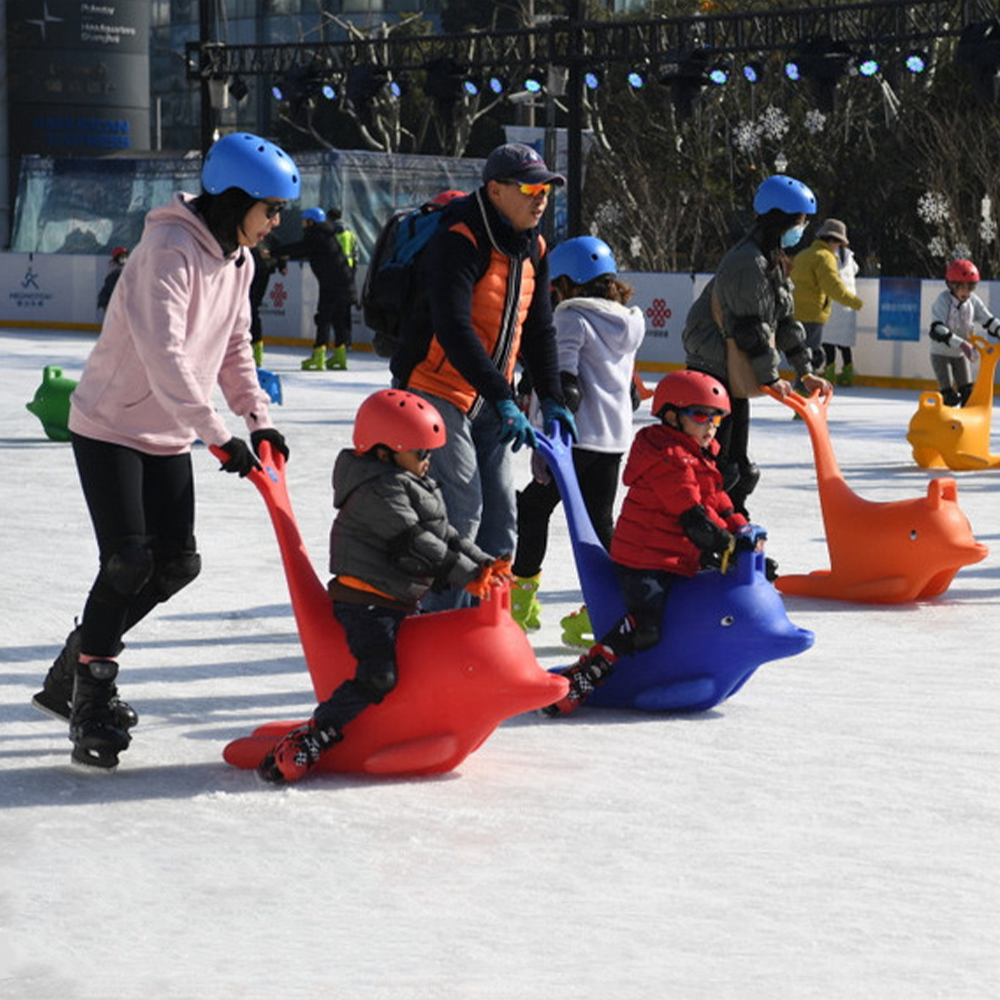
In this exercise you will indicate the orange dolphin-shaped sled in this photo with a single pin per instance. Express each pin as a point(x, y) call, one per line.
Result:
point(880, 553)
point(461, 673)
point(958, 437)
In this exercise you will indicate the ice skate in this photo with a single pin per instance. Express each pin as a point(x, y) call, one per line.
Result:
point(524, 606)
point(316, 362)
point(97, 736)
point(577, 629)
point(297, 753)
point(589, 672)
point(337, 361)
point(56, 696)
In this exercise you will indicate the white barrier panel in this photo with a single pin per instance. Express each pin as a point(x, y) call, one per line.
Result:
point(59, 291)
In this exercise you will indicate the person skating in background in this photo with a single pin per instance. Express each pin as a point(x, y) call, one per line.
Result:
point(817, 284)
point(675, 520)
point(389, 544)
point(119, 257)
point(264, 266)
point(320, 246)
point(597, 336)
point(841, 330)
point(743, 320)
point(177, 326)
point(487, 280)
point(954, 314)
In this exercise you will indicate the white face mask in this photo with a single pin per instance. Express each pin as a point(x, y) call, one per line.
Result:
point(792, 236)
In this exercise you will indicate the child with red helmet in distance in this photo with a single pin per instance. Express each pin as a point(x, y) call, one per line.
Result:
point(390, 543)
point(953, 316)
point(675, 520)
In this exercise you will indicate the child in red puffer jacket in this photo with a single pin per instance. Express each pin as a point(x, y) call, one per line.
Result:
point(675, 520)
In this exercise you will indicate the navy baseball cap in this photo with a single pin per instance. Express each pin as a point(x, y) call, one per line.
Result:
point(517, 162)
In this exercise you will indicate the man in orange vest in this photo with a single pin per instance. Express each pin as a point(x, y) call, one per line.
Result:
point(487, 307)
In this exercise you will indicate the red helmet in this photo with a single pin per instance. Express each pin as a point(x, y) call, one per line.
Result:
point(687, 388)
point(119, 252)
point(445, 196)
point(962, 270)
point(399, 420)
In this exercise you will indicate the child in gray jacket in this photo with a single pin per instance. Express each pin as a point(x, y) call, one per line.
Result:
point(391, 542)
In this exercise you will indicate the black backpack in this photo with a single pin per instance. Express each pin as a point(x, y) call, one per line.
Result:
point(391, 286)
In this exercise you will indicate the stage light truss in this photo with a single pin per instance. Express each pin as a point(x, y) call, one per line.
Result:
point(881, 24)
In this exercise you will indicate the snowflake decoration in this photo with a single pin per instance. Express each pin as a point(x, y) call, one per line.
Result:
point(961, 252)
point(607, 215)
point(745, 137)
point(988, 230)
point(937, 247)
point(774, 123)
point(815, 122)
point(635, 247)
point(933, 208)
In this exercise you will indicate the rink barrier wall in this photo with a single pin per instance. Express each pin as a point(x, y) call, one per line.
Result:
point(59, 292)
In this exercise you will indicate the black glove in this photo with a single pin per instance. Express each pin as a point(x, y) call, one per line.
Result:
point(273, 437)
point(241, 458)
point(705, 533)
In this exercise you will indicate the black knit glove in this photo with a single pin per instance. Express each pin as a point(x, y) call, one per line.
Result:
point(241, 458)
point(273, 437)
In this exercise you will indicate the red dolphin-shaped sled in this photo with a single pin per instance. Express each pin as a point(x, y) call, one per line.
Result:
point(461, 673)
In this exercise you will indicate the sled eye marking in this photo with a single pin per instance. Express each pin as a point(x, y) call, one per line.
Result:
point(726, 620)
point(913, 534)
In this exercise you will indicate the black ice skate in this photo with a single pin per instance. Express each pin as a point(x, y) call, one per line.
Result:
point(589, 672)
point(98, 738)
point(297, 753)
point(56, 696)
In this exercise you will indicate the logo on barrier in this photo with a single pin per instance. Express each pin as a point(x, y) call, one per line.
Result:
point(31, 296)
point(658, 313)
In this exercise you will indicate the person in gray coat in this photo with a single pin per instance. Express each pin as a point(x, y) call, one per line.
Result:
point(390, 543)
point(744, 320)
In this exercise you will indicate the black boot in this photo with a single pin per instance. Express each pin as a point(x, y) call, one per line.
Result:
point(588, 673)
point(94, 728)
point(56, 696)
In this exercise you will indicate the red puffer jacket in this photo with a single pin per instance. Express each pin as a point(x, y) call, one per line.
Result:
point(666, 475)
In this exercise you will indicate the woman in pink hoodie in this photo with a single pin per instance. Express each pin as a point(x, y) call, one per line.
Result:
point(177, 326)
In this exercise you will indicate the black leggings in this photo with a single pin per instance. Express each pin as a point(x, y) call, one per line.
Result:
point(142, 509)
point(597, 473)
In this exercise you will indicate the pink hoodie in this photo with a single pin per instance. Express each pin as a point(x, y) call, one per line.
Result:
point(177, 324)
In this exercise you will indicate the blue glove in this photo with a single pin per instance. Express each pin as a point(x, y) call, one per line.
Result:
point(555, 412)
point(514, 425)
point(751, 538)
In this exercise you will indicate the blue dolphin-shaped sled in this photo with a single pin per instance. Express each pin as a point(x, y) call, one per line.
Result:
point(717, 627)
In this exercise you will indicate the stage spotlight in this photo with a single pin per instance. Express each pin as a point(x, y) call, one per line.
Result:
point(637, 76)
point(916, 62)
point(793, 71)
point(593, 78)
point(497, 84)
point(534, 81)
point(753, 71)
point(238, 88)
point(867, 64)
point(719, 72)
point(329, 90)
point(472, 86)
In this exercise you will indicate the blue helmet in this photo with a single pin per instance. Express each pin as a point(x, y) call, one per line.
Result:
point(785, 194)
point(314, 215)
point(253, 164)
point(581, 259)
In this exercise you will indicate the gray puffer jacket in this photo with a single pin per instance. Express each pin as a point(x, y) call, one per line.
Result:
point(757, 310)
point(392, 530)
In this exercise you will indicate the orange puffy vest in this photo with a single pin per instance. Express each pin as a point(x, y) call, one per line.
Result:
point(499, 305)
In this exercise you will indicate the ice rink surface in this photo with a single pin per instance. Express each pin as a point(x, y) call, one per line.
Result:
point(829, 832)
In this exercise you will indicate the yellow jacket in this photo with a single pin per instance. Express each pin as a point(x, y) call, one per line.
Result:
point(818, 285)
